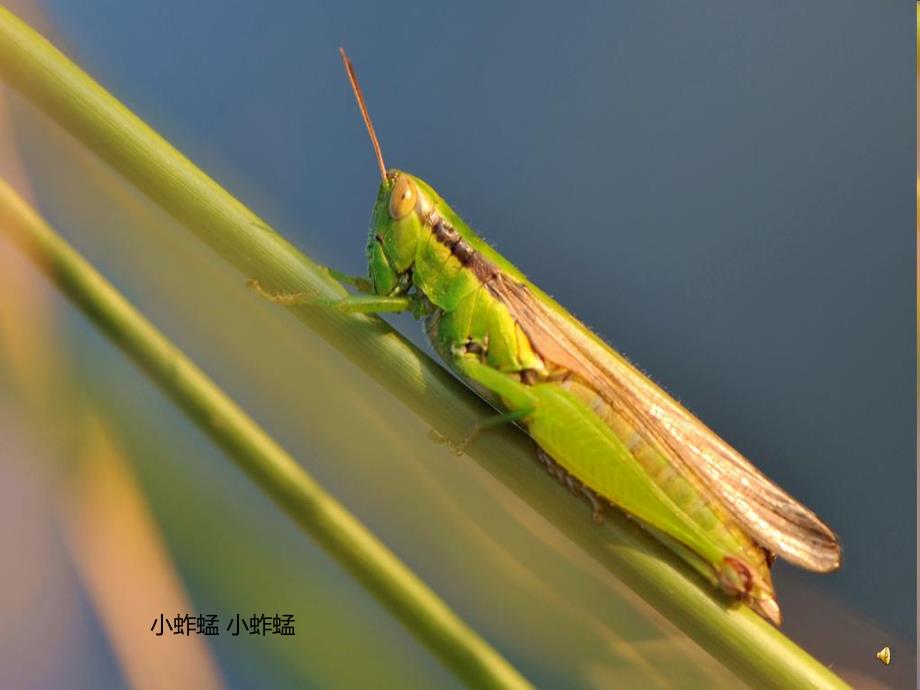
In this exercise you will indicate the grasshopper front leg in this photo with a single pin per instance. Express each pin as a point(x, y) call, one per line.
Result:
point(359, 282)
point(353, 304)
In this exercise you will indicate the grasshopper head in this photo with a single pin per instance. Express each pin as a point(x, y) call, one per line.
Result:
point(397, 223)
point(396, 228)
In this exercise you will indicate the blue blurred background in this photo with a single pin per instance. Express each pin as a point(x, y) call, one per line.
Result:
point(725, 192)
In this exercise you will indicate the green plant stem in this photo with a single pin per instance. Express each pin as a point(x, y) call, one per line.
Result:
point(753, 649)
point(279, 475)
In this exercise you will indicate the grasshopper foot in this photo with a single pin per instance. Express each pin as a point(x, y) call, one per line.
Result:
point(442, 440)
point(288, 299)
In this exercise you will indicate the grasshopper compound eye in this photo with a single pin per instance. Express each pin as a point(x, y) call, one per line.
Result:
point(403, 198)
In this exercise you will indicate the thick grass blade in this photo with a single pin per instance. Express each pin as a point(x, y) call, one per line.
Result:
point(279, 475)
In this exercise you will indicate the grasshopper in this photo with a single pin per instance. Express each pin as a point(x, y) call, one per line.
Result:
point(600, 424)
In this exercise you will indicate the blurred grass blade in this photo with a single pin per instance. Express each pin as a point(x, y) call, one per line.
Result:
point(256, 453)
point(752, 648)
point(113, 538)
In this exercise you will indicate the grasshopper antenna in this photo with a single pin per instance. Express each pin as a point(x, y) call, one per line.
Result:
point(353, 78)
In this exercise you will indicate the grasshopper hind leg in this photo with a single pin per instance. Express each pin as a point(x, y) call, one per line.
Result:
point(598, 504)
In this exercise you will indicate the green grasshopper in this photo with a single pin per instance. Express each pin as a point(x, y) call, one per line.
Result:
point(600, 424)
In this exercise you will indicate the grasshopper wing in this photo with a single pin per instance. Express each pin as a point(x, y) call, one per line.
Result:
point(771, 516)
